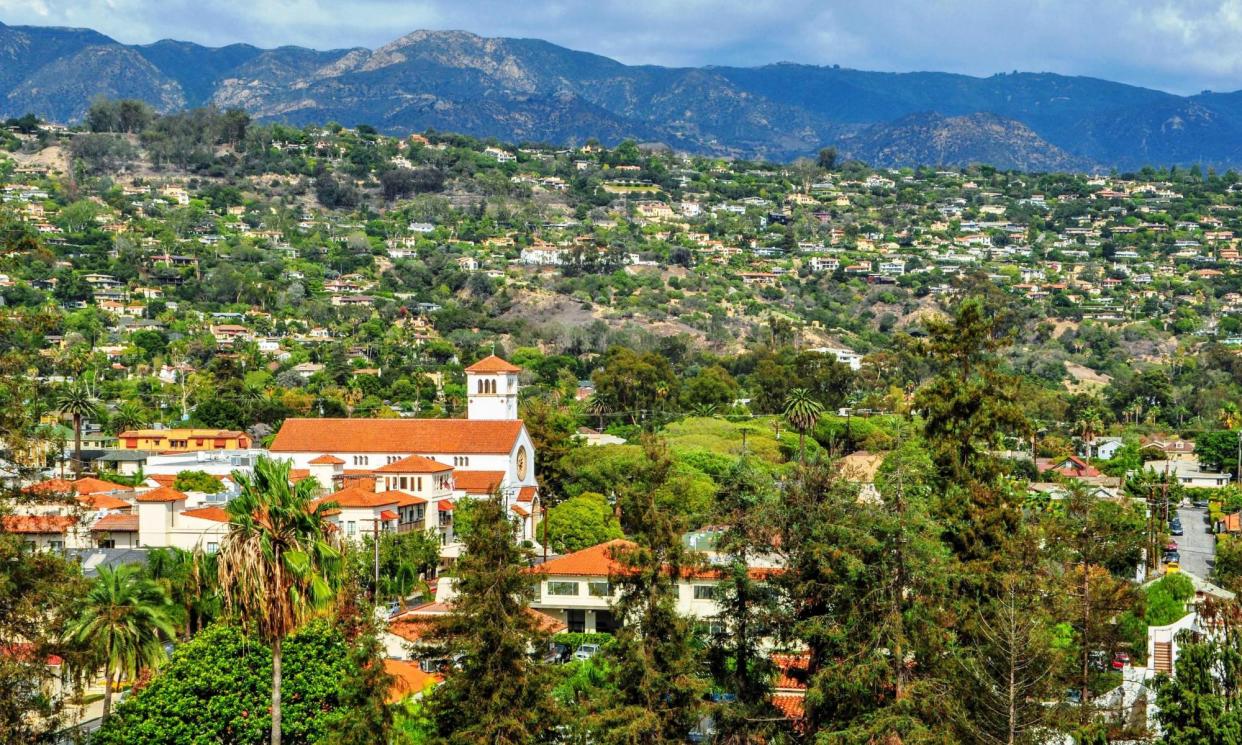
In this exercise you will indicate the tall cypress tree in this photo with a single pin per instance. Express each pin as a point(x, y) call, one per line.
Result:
point(500, 694)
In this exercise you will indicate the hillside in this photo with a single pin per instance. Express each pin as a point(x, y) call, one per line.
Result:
point(527, 89)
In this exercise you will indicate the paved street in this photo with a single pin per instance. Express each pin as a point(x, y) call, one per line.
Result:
point(1197, 546)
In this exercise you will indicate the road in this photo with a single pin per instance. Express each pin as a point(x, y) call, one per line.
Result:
point(1197, 546)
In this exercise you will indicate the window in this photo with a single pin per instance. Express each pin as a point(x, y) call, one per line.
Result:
point(351, 528)
point(405, 482)
point(420, 483)
point(599, 589)
point(704, 592)
point(563, 588)
point(213, 547)
point(58, 545)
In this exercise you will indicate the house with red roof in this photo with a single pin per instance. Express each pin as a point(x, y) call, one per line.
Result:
point(578, 589)
point(168, 518)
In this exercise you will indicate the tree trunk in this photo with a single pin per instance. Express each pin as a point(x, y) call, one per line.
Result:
point(107, 709)
point(77, 446)
point(1086, 637)
point(276, 692)
point(802, 445)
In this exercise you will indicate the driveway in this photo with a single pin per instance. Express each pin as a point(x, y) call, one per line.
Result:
point(1197, 546)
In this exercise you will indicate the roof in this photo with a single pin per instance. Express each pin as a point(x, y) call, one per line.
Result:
point(161, 494)
point(215, 514)
point(478, 482)
point(165, 434)
point(493, 364)
point(357, 497)
point(36, 524)
point(465, 436)
point(414, 464)
point(408, 679)
point(594, 561)
point(526, 494)
point(51, 486)
point(116, 524)
point(327, 460)
point(519, 510)
point(91, 485)
point(444, 506)
point(103, 502)
point(388, 515)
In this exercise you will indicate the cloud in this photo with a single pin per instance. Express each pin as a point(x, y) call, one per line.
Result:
point(1180, 45)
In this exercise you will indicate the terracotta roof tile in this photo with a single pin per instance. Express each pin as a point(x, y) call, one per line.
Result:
point(595, 561)
point(116, 524)
point(357, 497)
point(327, 460)
point(519, 510)
point(477, 482)
point(526, 494)
point(414, 464)
point(464, 436)
point(161, 494)
point(493, 364)
point(215, 514)
point(91, 485)
point(408, 679)
point(36, 524)
point(103, 502)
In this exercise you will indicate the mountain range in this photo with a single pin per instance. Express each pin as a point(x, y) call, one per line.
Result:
point(531, 90)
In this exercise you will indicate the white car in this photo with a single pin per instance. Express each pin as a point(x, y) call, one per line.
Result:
point(586, 651)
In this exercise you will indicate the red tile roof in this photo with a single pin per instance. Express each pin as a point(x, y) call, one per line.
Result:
point(595, 561)
point(91, 485)
point(414, 464)
point(520, 510)
point(327, 460)
point(103, 502)
point(408, 679)
point(51, 486)
point(464, 436)
point(116, 524)
point(161, 494)
point(388, 515)
point(477, 482)
point(793, 706)
point(36, 524)
point(493, 364)
point(215, 514)
point(357, 497)
point(526, 494)
point(444, 505)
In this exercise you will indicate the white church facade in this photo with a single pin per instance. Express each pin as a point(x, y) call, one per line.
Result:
point(488, 451)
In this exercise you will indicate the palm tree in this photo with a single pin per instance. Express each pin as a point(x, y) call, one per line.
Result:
point(78, 399)
point(597, 407)
point(122, 619)
point(802, 411)
point(278, 564)
point(129, 415)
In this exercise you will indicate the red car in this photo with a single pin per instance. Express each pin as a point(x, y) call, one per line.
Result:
point(1120, 660)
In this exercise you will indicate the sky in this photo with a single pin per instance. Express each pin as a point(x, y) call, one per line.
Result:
point(1182, 46)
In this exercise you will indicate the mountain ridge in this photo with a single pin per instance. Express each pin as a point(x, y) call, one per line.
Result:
point(531, 89)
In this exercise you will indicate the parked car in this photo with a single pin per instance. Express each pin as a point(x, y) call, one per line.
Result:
point(1176, 529)
point(1172, 557)
point(586, 651)
point(1170, 546)
point(558, 653)
point(1120, 660)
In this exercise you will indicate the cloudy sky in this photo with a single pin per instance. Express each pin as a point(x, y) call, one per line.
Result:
point(1182, 46)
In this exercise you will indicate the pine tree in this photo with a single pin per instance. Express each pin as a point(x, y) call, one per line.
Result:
point(499, 695)
point(747, 602)
point(655, 695)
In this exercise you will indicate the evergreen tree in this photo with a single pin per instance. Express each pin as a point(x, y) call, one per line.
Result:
point(968, 407)
point(747, 602)
point(656, 695)
point(500, 695)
